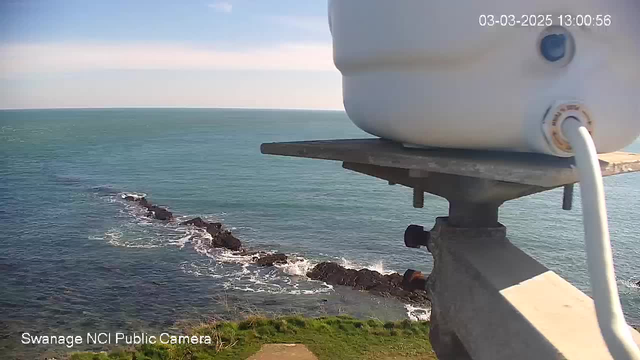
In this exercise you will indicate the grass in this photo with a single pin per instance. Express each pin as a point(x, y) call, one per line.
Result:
point(329, 338)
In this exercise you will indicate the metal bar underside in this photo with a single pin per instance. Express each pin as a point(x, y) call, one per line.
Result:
point(522, 168)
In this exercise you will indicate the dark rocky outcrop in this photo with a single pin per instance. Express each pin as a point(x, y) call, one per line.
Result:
point(270, 259)
point(369, 280)
point(219, 238)
point(414, 280)
point(159, 213)
point(197, 222)
point(225, 239)
point(155, 211)
point(144, 202)
point(212, 227)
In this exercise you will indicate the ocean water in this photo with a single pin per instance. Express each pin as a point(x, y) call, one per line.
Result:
point(75, 258)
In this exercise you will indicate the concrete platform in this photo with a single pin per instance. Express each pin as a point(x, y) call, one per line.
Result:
point(502, 304)
point(529, 169)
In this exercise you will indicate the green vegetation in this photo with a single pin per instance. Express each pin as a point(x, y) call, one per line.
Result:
point(329, 338)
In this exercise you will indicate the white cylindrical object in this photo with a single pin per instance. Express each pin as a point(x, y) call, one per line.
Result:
point(427, 73)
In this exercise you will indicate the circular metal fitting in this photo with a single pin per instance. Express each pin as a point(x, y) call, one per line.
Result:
point(552, 125)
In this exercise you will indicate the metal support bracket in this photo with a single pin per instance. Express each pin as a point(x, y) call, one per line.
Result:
point(490, 300)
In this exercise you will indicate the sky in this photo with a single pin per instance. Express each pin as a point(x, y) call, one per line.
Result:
point(142, 53)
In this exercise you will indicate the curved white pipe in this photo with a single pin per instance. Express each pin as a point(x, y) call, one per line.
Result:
point(613, 326)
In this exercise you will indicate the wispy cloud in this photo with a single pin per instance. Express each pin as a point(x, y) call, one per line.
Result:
point(223, 7)
point(316, 24)
point(63, 57)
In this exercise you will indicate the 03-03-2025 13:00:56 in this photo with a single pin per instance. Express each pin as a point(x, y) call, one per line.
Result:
point(544, 20)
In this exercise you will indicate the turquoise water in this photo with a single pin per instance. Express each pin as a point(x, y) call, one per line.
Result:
point(74, 258)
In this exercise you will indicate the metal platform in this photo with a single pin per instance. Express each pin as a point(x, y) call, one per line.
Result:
point(489, 299)
point(521, 168)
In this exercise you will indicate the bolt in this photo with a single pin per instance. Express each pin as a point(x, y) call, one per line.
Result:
point(567, 197)
point(418, 198)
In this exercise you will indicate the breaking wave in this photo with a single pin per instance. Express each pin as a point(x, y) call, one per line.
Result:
point(418, 313)
point(377, 266)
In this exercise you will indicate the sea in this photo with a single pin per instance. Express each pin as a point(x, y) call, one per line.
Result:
point(76, 258)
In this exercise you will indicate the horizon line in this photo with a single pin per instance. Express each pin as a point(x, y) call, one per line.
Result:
point(163, 107)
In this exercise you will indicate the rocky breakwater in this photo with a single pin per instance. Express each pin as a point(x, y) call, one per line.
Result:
point(408, 288)
point(154, 211)
point(220, 238)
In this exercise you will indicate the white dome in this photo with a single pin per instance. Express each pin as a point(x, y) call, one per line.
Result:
point(428, 73)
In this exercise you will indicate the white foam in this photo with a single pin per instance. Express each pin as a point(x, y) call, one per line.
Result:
point(253, 278)
point(297, 266)
point(143, 232)
point(376, 266)
point(417, 313)
point(183, 240)
point(271, 288)
point(232, 257)
point(113, 237)
point(136, 196)
point(630, 283)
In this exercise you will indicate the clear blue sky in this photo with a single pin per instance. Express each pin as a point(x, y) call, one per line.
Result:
point(234, 53)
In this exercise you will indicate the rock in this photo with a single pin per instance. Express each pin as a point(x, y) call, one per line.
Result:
point(271, 259)
point(245, 252)
point(638, 283)
point(383, 285)
point(160, 213)
point(219, 238)
point(144, 202)
point(134, 197)
point(333, 273)
point(197, 222)
point(212, 228)
point(414, 280)
point(368, 279)
point(157, 212)
point(224, 239)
